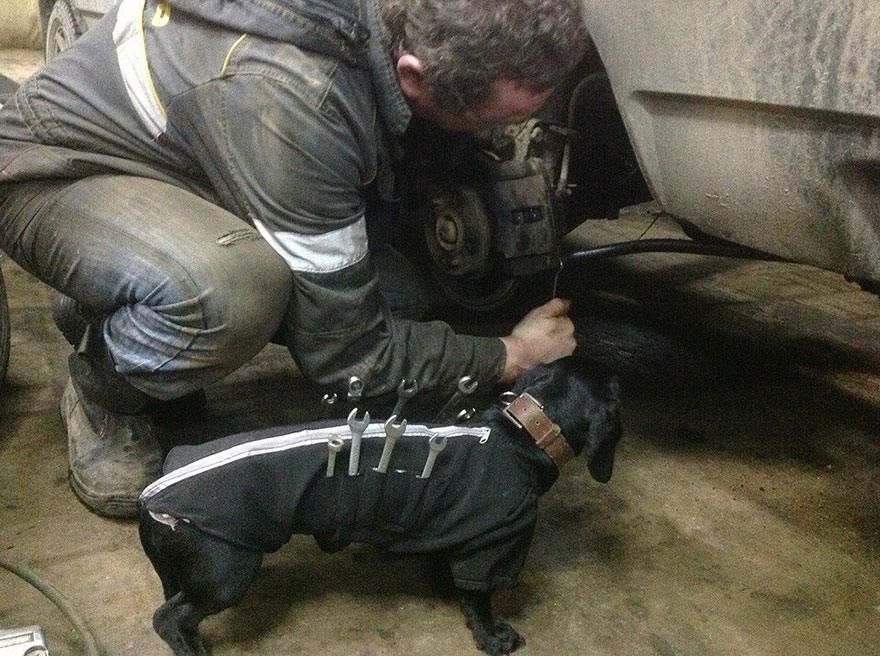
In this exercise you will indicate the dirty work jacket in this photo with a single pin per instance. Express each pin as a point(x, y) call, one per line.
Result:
point(218, 98)
point(478, 506)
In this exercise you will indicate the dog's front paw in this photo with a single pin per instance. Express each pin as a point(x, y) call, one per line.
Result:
point(502, 640)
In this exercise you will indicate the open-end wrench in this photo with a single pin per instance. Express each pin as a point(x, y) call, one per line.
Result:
point(393, 431)
point(357, 429)
point(466, 387)
point(407, 389)
point(334, 446)
point(436, 444)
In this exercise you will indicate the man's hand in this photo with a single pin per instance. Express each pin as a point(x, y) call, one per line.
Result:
point(543, 335)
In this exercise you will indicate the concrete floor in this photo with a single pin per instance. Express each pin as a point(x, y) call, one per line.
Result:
point(742, 519)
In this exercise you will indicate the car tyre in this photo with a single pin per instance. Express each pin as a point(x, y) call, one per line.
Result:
point(63, 27)
point(4, 331)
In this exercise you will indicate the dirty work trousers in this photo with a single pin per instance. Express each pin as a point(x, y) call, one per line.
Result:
point(181, 291)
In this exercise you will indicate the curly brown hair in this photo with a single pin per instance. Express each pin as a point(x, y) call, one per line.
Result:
point(465, 46)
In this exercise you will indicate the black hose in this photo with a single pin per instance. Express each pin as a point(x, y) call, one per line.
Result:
point(719, 249)
point(82, 628)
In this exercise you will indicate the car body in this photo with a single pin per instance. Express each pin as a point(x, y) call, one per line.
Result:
point(754, 123)
point(757, 122)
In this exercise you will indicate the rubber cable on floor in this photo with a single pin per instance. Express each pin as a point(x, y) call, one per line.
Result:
point(79, 624)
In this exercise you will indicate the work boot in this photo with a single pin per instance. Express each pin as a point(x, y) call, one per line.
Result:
point(114, 454)
point(113, 457)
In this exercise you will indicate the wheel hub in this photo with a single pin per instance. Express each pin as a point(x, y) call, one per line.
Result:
point(458, 233)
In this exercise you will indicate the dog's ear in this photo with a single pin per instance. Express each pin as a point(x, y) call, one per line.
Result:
point(601, 464)
point(605, 432)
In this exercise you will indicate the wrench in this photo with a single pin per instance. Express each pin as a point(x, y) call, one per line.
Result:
point(355, 389)
point(436, 444)
point(327, 403)
point(334, 446)
point(407, 389)
point(466, 386)
point(357, 429)
point(507, 398)
point(393, 431)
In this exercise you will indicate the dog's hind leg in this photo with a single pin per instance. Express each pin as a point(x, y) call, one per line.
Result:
point(492, 635)
point(201, 575)
point(216, 578)
point(176, 621)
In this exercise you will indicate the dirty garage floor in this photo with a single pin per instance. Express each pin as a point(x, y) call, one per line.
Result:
point(743, 517)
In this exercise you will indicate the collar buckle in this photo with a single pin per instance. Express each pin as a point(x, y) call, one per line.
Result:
point(527, 414)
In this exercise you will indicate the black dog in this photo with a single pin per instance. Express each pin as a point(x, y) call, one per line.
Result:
point(221, 505)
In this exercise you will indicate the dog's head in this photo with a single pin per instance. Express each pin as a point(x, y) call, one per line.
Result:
point(585, 402)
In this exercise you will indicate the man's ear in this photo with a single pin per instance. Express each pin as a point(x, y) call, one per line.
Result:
point(410, 75)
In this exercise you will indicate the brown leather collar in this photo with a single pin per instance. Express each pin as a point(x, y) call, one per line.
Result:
point(526, 413)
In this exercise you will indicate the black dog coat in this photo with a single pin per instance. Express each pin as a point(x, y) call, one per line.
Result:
point(255, 490)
